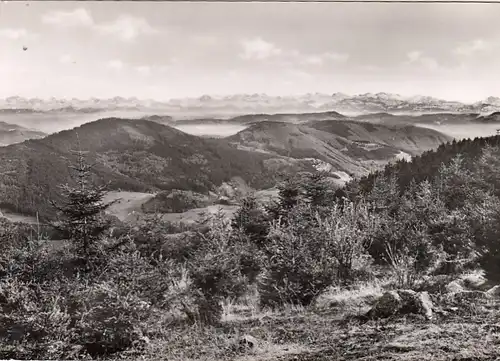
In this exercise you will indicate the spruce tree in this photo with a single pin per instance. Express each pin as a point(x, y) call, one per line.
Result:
point(81, 213)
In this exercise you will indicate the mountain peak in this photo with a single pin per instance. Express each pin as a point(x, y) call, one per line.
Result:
point(255, 103)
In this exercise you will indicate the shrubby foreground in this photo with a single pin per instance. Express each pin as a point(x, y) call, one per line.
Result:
point(298, 279)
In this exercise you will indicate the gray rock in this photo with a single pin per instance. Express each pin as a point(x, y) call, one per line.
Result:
point(475, 282)
point(247, 342)
point(386, 306)
point(454, 287)
point(402, 302)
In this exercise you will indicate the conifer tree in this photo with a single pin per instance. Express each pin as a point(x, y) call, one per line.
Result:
point(81, 213)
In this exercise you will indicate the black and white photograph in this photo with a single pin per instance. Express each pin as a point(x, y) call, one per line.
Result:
point(250, 181)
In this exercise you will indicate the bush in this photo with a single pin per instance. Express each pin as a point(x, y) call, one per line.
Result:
point(216, 269)
point(296, 268)
point(102, 311)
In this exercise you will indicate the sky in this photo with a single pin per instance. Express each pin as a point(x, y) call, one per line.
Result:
point(162, 50)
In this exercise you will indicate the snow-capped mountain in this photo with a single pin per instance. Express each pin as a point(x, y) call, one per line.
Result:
point(259, 103)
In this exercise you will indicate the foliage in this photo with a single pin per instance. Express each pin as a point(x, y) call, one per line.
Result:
point(297, 268)
point(82, 213)
point(215, 268)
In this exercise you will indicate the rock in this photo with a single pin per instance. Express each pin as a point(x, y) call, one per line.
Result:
point(494, 291)
point(424, 304)
point(402, 302)
point(475, 282)
point(416, 302)
point(247, 342)
point(454, 287)
point(386, 306)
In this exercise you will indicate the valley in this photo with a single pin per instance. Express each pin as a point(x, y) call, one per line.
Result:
point(127, 147)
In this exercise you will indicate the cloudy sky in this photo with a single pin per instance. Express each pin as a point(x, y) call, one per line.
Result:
point(164, 50)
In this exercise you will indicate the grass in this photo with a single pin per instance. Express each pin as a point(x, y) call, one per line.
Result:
point(330, 330)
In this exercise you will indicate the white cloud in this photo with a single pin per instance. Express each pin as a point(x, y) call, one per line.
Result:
point(13, 34)
point(418, 58)
point(127, 27)
point(77, 17)
point(320, 59)
point(259, 49)
point(143, 69)
point(115, 64)
point(338, 57)
point(472, 47)
point(414, 56)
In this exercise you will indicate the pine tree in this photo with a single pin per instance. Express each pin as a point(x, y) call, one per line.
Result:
point(81, 214)
point(317, 191)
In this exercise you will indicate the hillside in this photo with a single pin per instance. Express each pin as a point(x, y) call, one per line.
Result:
point(426, 165)
point(351, 147)
point(12, 133)
point(132, 155)
point(407, 138)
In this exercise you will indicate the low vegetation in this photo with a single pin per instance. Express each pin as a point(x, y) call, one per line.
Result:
point(385, 269)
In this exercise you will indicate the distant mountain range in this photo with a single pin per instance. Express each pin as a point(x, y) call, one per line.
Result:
point(258, 103)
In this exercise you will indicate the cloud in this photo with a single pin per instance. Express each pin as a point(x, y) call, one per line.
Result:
point(143, 69)
point(258, 49)
point(77, 17)
point(115, 64)
point(320, 59)
point(418, 58)
point(127, 27)
point(472, 47)
point(13, 34)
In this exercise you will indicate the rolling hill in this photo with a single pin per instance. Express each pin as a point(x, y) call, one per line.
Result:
point(12, 133)
point(351, 147)
point(132, 155)
point(403, 137)
point(140, 155)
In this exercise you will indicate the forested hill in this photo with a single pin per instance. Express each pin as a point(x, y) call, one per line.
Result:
point(426, 165)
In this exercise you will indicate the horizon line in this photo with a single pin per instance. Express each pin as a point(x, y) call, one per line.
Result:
point(218, 96)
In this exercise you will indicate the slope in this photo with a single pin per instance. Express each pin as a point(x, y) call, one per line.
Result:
point(407, 138)
point(349, 146)
point(427, 165)
point(12, 133)
point(132, 155)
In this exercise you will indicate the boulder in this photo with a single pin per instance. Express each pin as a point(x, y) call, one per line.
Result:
point(402, 302)
point(247, 342)
point(454, 287)
point(386, 306)
point(475, 281)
